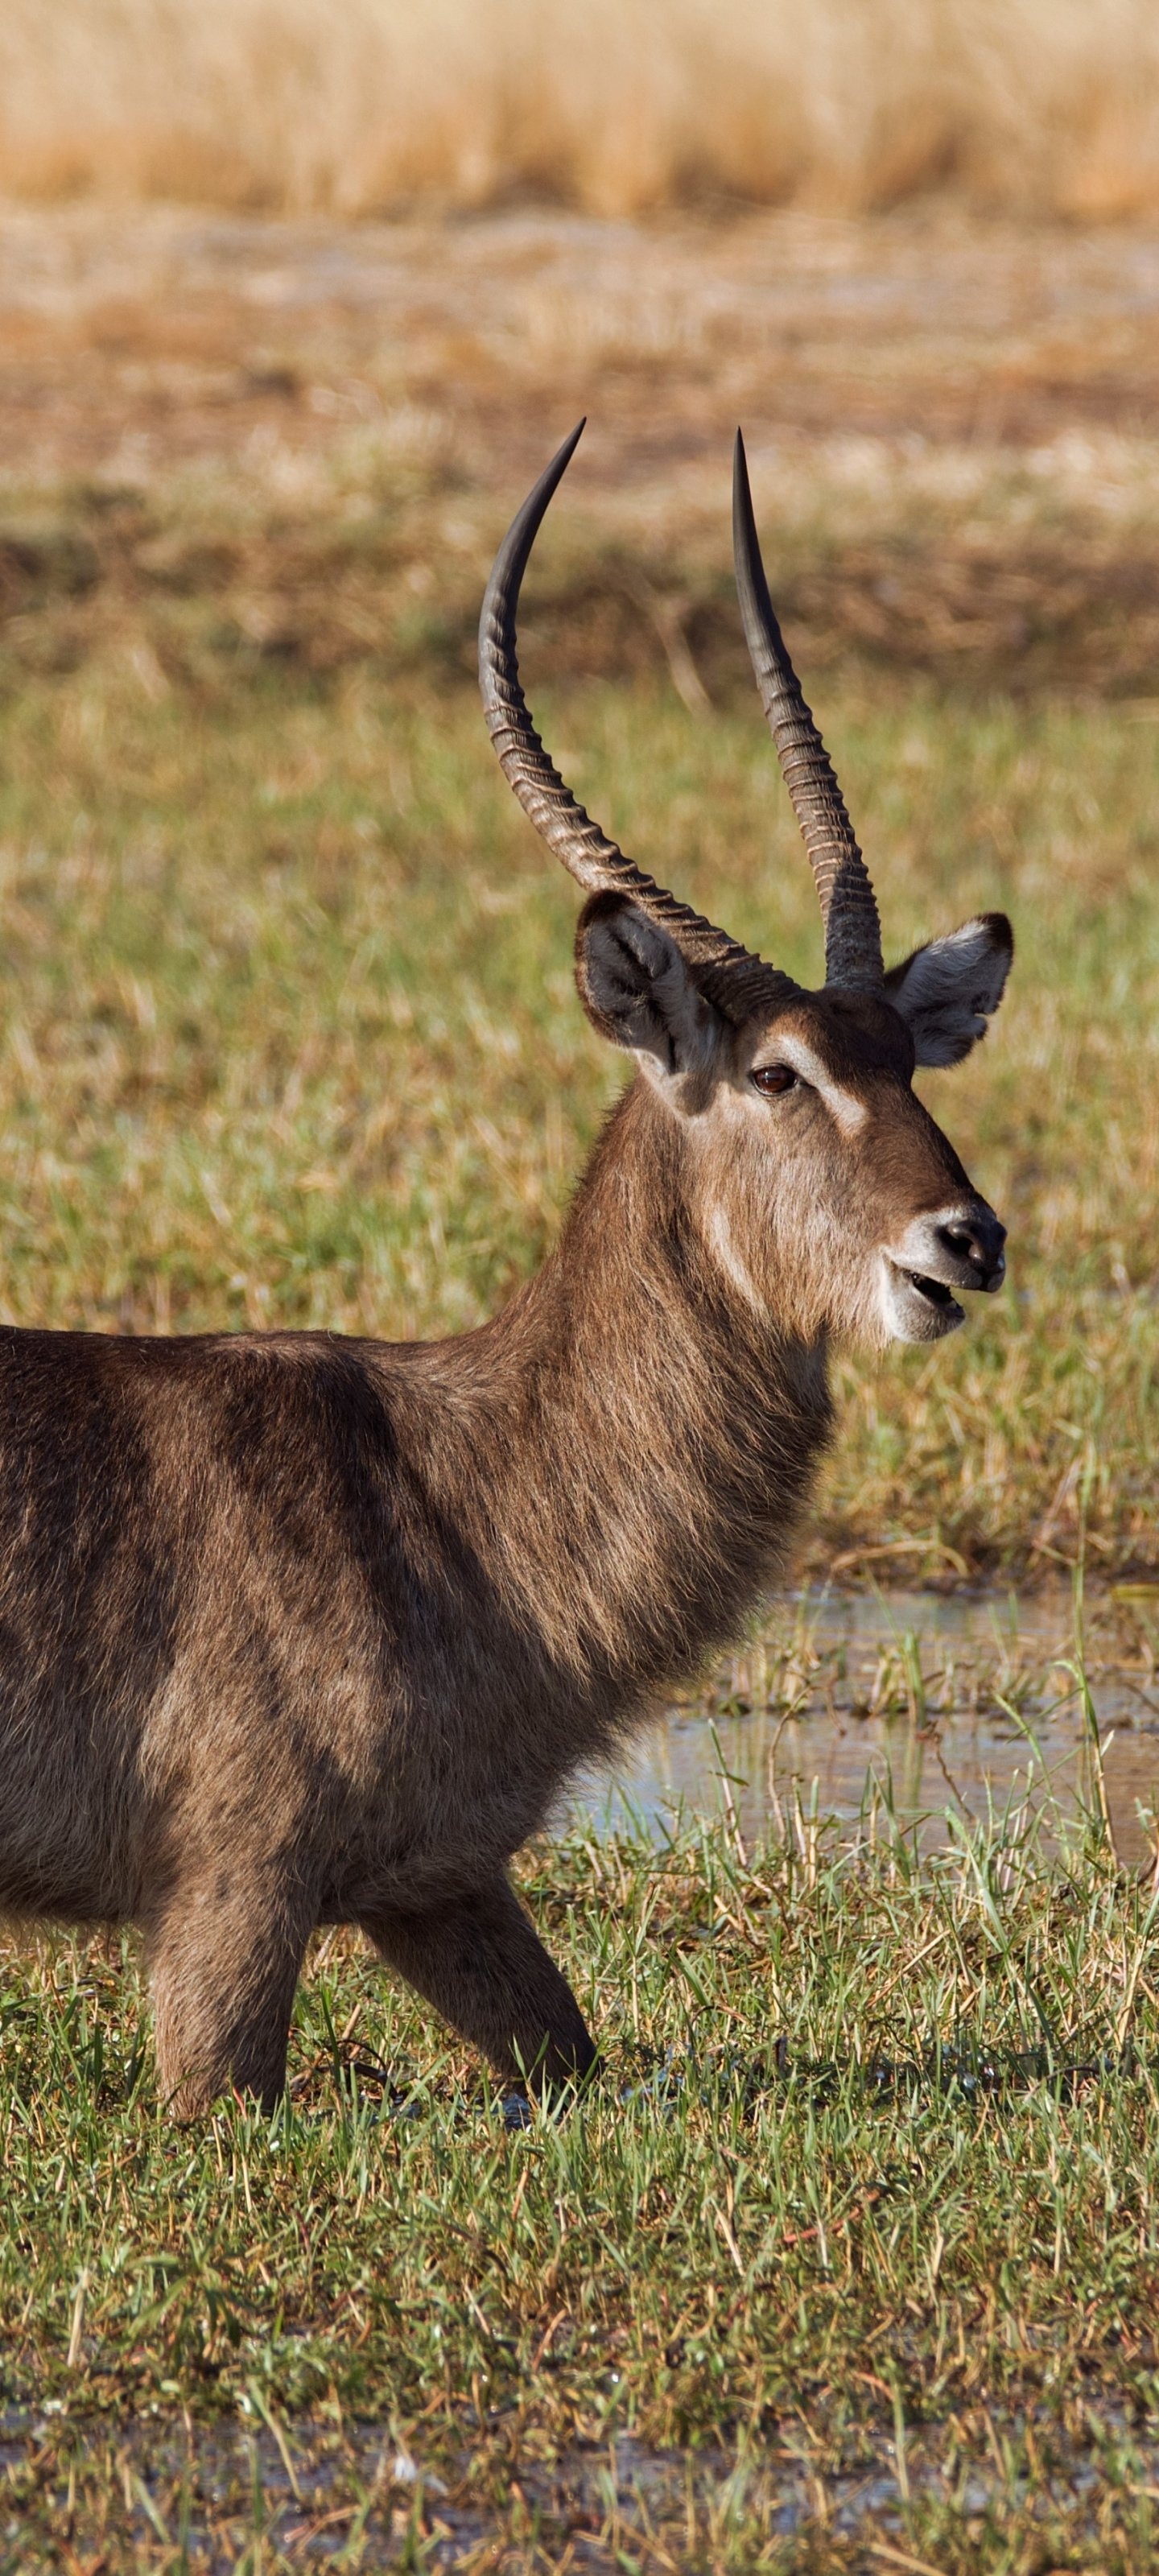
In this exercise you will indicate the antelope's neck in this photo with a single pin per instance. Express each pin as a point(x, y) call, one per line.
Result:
point(658, 1433)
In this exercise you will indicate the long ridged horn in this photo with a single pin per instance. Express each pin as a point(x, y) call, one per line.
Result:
point(737, 982)
point(852, 929)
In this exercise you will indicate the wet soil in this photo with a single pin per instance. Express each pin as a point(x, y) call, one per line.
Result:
point(322, 2487)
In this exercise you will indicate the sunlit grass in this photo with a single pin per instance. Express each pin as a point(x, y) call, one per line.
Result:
point(289, 1035)
point(782, 2235)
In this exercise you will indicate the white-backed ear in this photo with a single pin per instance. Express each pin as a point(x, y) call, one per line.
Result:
point(948, 990)
point(638, 989)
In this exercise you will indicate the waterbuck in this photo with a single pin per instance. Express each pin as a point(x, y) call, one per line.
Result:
point(300, 1630)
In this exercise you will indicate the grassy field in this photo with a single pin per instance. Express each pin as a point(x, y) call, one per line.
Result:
point(856, 103)
point(850, 2262)
point(288, 1035)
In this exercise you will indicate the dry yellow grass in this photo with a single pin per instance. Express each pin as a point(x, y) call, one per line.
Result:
point(627, 104)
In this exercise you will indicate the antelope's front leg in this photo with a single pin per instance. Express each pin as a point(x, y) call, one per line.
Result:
point(225, 1953)
point(481, 1963)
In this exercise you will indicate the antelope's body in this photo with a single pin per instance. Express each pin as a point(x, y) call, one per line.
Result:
point(296, 1629)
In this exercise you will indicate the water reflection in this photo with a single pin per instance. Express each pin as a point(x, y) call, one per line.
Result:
point(948, 1701)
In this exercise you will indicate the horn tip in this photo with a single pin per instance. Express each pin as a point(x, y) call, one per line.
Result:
point(553, 474)
point(741, 487)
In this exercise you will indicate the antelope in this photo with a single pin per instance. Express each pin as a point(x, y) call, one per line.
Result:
point(301, 1630)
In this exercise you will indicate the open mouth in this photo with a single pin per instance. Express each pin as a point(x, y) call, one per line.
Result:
point(935, 1290)
point(935, 1296)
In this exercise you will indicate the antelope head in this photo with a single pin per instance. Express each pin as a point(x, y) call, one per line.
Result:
point(819, 1182)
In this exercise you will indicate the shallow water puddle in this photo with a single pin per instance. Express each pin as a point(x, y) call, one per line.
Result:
point(964, 1702)
point(226, 2495)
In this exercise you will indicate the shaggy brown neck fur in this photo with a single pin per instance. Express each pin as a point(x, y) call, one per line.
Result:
point(636, 1442)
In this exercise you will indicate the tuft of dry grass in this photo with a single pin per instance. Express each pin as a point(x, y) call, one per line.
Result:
point(626, 105)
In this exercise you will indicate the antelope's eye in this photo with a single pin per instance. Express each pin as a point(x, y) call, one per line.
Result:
point(774, 1077)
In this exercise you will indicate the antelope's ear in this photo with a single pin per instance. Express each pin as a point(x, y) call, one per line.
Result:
point(948, 990)
point(638, 989)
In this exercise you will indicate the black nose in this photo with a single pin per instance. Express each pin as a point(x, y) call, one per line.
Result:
point(977, 1238)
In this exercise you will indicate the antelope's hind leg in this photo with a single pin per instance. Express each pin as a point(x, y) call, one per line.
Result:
point(481, 1963)
point(225, 1955)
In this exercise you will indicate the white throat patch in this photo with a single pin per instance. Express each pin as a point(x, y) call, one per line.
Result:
point(719, 1237)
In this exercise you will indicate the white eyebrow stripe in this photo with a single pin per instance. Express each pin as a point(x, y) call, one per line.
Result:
point(849, 1112)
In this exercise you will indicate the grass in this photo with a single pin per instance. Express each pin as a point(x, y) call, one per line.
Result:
point(859, 103)
point(373, 558)
point(289, 1035)
point(786, 2290)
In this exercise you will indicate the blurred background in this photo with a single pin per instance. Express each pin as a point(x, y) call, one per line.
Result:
point(622, 107)
point(294, 301)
